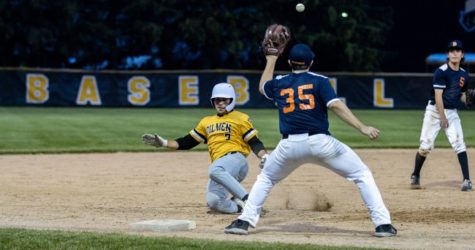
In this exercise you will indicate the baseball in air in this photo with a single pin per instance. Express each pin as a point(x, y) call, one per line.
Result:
point(300, 7)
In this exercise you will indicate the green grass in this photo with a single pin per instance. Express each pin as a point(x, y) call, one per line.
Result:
point(60, 130)
point(399, 129)
point(13, 239)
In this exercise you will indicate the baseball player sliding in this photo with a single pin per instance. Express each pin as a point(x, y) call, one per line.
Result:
point(303, 98)
point(449, 91)
point(230, 136)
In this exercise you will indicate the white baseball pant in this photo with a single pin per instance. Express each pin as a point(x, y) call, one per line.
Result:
point(431, 128)
point(318, 149)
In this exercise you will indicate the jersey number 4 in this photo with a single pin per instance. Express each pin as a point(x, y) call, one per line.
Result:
point(307, 101)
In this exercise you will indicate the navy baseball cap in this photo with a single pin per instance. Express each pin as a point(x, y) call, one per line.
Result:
point(455, 44)
point(301, 54)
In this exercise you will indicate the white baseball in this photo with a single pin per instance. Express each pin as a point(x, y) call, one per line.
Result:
point(300, 7)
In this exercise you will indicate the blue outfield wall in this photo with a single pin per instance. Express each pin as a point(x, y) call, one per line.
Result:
point(43, 87)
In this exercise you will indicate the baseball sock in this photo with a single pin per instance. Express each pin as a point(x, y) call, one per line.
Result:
point(464, 164)
point(418, 165)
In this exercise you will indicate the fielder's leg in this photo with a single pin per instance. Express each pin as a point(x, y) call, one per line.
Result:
point(277, 167)
point(454, 134)
point(347, 164)
point(430, 130)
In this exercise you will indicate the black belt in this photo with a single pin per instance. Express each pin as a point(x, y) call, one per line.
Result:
point(285, 136)
point(433, 103)
point(230, 153)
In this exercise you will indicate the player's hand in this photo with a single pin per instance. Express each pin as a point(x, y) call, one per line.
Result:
point(372, 133)
point(154, 140)
point(444, 123)
point(263, 161)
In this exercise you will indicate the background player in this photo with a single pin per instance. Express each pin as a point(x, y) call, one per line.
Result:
point(302, 99)
point(450, 84)
point(230, 135)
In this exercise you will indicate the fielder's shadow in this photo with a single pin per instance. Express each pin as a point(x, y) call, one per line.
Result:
point(454, 184)
point(307, 228)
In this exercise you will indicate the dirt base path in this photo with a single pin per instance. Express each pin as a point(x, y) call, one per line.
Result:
point(106, 192)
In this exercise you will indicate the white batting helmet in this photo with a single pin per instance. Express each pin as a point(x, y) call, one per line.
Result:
point(224, 90)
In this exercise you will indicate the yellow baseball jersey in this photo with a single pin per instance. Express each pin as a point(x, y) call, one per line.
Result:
point(224, 134)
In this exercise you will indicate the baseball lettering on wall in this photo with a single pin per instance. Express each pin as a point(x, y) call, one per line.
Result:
point(37, 88)
point(88, 92)
point(177, 89)
point(379, 100)
point(241, 87)
point(139, 90)
point(188, 90)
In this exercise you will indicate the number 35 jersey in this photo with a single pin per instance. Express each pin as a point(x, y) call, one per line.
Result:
point(302, 99)
point(225, 133)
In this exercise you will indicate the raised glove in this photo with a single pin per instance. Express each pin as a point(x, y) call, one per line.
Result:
point(469, 97)
point(263, 161)
point(275, 40)
point(154, 140)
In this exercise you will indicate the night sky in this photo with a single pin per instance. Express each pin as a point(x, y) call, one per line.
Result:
point(422, 27)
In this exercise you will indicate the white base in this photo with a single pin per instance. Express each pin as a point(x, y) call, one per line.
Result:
point(165, 225)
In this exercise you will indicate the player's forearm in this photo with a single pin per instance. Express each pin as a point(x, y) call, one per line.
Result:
point(344, 113)
point(439, 104)
point(440, 109)
point(257, 147)
point(268, 72)
point(463, 98)
point(185, 142)
point(172, 144)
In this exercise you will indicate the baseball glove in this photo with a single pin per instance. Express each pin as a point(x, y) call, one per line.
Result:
point(154, 140)
point(275, 40)
point(469, 97)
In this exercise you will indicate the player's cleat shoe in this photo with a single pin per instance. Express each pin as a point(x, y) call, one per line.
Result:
point(415, 182)
point(467, 185)
point(237, 227)
point(386, 230)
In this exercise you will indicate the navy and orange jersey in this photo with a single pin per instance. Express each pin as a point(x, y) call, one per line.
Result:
point(452, 82)
point(224, 134)
point(302, 99)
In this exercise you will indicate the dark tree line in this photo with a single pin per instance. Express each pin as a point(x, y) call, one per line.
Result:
point(187, 34)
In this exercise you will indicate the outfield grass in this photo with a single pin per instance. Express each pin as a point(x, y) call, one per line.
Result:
point(60, 130)
point(12, 239)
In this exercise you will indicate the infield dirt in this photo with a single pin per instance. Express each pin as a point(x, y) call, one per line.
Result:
point(107, 192)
